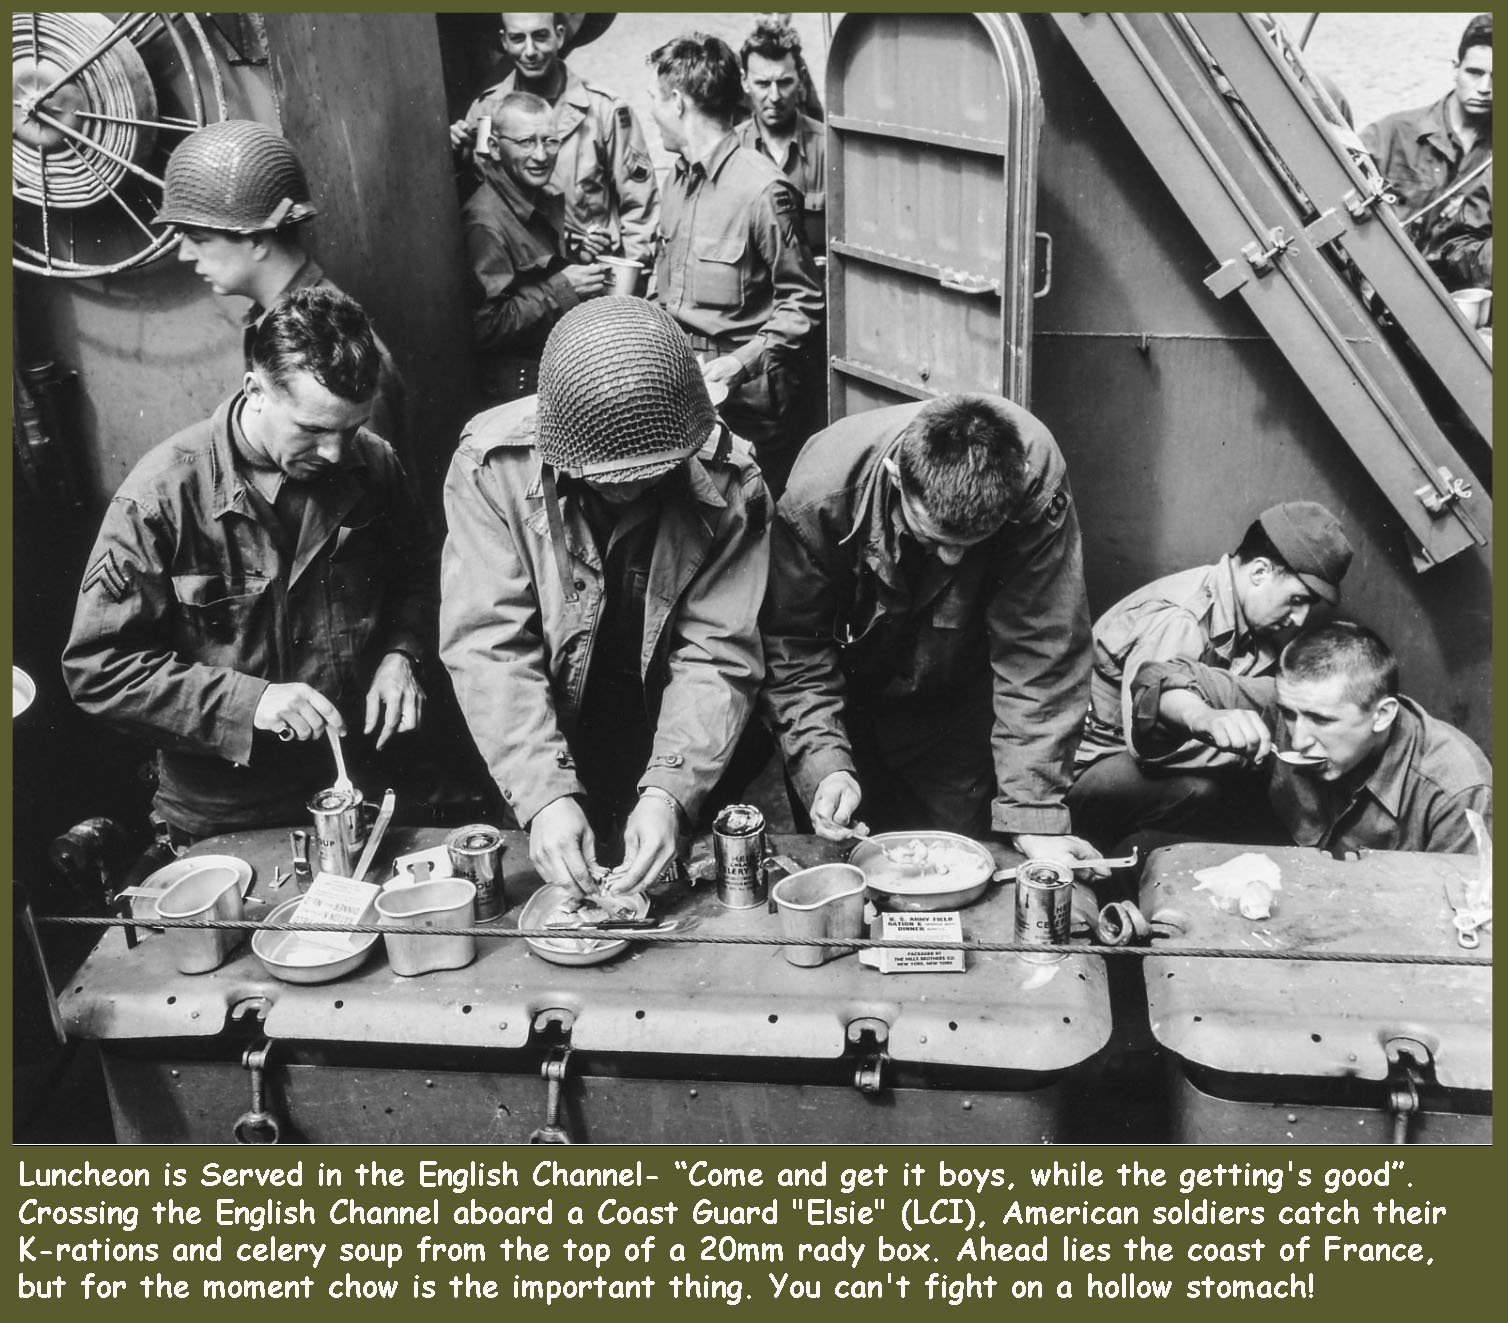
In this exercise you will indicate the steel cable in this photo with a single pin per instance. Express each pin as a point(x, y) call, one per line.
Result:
point(706, 939)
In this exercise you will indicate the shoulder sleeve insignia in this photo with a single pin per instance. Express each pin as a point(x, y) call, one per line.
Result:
point(1056, 506)
point(625, 120)
point(786, 201)
point(107, 575)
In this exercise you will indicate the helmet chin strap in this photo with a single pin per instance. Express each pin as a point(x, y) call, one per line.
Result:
point(557, 536)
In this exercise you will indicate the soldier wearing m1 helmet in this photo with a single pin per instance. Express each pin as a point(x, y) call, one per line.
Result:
point(600, 591)
point(237, 195)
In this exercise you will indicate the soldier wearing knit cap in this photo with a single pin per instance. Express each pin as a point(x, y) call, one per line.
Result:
point(1235, 616)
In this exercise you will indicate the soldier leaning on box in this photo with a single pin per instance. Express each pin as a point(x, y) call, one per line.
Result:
point(601, 582)
point(926, 629)
point(237, 195)
point(262, 576)
point(603, 170)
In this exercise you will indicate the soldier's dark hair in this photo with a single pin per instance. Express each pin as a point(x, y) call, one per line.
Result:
point(774, 38)
point(1350, 651)
point(1478, 33)
point(962, 457)
point(556, 20)
point(704, 70)
point(1256, 544)
point(324, 333)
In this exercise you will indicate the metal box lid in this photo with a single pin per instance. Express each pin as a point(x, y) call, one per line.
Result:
point(1310, 1018)
point(672, 999)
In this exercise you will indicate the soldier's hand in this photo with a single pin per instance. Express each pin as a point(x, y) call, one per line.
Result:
point(1236, 729)
point(593, 243)
point(724, 371)
point(395, 699)
point(649, 841)
point(587, 281)
point(461, 133)
point(1074, 851)
point(833, 806)
point(296, 711)
point(562, 847)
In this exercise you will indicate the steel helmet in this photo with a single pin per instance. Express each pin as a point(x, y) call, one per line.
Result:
point(236, 175)
point(621, 396)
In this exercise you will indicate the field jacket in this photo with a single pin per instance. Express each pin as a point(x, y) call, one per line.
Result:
point(842, 620)
point(519, 649)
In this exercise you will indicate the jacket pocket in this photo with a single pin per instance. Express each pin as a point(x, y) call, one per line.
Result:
point(217, 616)
point(717, 275)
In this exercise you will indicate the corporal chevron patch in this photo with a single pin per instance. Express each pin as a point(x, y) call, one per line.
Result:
point(106, 575)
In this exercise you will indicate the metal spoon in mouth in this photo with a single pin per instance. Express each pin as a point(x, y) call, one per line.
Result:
point(1295, 759)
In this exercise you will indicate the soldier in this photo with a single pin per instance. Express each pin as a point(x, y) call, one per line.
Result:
point(1234, 615)
point(601, 582)
point(603, 170)
point(261, 577)
point(236, 193)
point(734, 268)
point(1438, 160)
point(513, 226)
point(926, 627)
point(774, 74)
point(1377, 772)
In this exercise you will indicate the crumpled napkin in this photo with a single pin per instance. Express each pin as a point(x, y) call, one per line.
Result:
point(1245, 883)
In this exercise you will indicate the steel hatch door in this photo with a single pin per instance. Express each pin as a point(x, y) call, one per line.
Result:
point(932, 131)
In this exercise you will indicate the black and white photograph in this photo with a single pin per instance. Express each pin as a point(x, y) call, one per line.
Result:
point(761, 578)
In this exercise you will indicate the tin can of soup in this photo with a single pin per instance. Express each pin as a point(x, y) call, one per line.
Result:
point(1044, 907)
point(340, 830)
point(476, 853)
point(738, 850)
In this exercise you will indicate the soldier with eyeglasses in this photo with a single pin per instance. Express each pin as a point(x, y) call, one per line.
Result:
point(601, 167)
point(514, 225)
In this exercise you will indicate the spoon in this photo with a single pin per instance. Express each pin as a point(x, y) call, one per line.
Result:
point(1295, 759)
point(342, 781)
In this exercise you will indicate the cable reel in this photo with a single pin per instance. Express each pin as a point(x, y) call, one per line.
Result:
point(98, 104)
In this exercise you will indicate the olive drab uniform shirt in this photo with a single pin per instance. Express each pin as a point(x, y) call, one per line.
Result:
point(514, 244)
point(1414, 798)
point(1194, 615)
point(1421, 158)
point(604, 171)
point(197, 598)
point(805, 165)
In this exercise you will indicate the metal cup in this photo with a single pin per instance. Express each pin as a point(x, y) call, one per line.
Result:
point(340, 830)
point(625, 272)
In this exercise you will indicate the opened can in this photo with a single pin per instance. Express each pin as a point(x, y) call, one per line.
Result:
point(340, 830)
point(1044, 907)
point(476, 853)
point(738, 850)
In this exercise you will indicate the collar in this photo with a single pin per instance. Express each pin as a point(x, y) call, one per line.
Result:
point(228, 483)
point(1434, 127)
point(306, 277)
point(699, 483)
point(575, 90)
point(712, 165)
point(751, 135)
point(1227, 613)
point(1389, 778)
point(545, 201)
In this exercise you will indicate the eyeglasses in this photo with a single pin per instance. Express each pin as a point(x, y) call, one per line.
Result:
point(534, 143)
